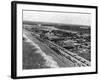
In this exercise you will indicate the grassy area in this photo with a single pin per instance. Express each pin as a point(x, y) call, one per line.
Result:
point(85, 56)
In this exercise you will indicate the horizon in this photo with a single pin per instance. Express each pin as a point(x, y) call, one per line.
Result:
point(49, 23)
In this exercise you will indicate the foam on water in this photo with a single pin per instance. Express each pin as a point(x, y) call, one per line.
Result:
point(49, 61)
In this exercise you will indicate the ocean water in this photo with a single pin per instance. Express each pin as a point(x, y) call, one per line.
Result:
point(34, 57)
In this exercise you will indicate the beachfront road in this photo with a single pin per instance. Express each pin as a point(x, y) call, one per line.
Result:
point(65, 59)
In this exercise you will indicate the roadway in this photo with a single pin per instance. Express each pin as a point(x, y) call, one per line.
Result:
point(65, 58)
point(61, 61)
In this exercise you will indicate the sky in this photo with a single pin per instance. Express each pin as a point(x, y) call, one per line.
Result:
point(55, 17)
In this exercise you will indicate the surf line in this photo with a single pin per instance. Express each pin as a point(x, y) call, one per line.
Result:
point(49, 61)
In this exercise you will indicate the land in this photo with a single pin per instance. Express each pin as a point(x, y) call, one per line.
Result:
point(69, 45)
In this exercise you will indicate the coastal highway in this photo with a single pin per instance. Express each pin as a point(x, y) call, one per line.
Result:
point(64, 59)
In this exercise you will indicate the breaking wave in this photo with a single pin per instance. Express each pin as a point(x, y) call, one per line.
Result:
point(49, 61)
